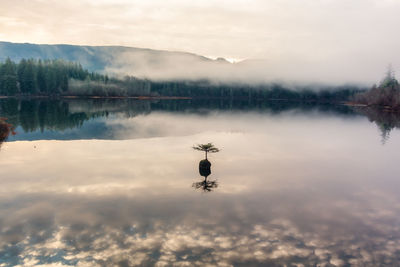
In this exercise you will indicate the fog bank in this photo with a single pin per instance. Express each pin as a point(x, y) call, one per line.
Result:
point(251, 71)
point(306, 40)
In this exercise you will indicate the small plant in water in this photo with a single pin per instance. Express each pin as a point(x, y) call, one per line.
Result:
point(207, 148)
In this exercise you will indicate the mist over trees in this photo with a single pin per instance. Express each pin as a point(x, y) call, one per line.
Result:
point(59, 77)
point(272, 91)
point(62, 78)
point(39, 77)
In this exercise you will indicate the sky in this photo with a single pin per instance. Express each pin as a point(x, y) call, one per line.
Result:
point(352, 40)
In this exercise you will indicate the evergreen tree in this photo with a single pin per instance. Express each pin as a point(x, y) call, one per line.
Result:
point(20, 73)
point(29, 77)
point(50, 78)
point(64, 83)
point(8, 78)
point(41, 77)
point(26, 76)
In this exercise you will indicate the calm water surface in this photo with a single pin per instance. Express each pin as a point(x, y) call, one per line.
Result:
point(97, 183)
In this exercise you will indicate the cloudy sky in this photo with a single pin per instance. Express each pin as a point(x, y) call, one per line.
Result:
point(357, 36)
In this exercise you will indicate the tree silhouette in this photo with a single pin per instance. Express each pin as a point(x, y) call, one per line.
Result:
point(207, 148)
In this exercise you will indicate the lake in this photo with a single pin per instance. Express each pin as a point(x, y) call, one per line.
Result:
point(117, 183)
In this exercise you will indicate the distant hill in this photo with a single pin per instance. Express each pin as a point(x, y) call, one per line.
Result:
point(112, 59)
point(158, 65)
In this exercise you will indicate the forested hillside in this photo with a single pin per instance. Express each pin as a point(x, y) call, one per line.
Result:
point(32, 77)
point(93, 58)
point(56, 77)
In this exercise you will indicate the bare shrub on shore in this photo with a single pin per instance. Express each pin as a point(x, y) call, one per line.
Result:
point(387, 94)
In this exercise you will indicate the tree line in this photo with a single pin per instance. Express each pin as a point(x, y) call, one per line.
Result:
point(58, 77)
point(273, 91)
point(40, 77)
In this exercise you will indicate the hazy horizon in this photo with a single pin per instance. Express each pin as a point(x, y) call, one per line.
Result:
point(303, 41)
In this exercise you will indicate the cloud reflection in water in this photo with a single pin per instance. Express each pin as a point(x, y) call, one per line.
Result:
point(304, 197)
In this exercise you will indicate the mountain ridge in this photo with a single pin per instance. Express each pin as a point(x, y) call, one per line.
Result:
point(94, 58)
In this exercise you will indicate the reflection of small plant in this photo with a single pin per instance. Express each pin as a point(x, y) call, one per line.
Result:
point(208, 148)
point(206, 186)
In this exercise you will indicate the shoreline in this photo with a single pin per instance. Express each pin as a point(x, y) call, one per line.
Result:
point(383, 108)
point(341, 102)
point(96, 97)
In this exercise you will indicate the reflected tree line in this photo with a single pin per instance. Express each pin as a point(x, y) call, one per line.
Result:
point(62, 114)
point(385, 120)
point(46, 114)
point(41, 115)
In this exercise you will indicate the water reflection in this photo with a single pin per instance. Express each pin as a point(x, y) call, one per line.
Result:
point(72, 119)
point(306, 188)
point(205, 168)
point(386, 120)
point(205, 171)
